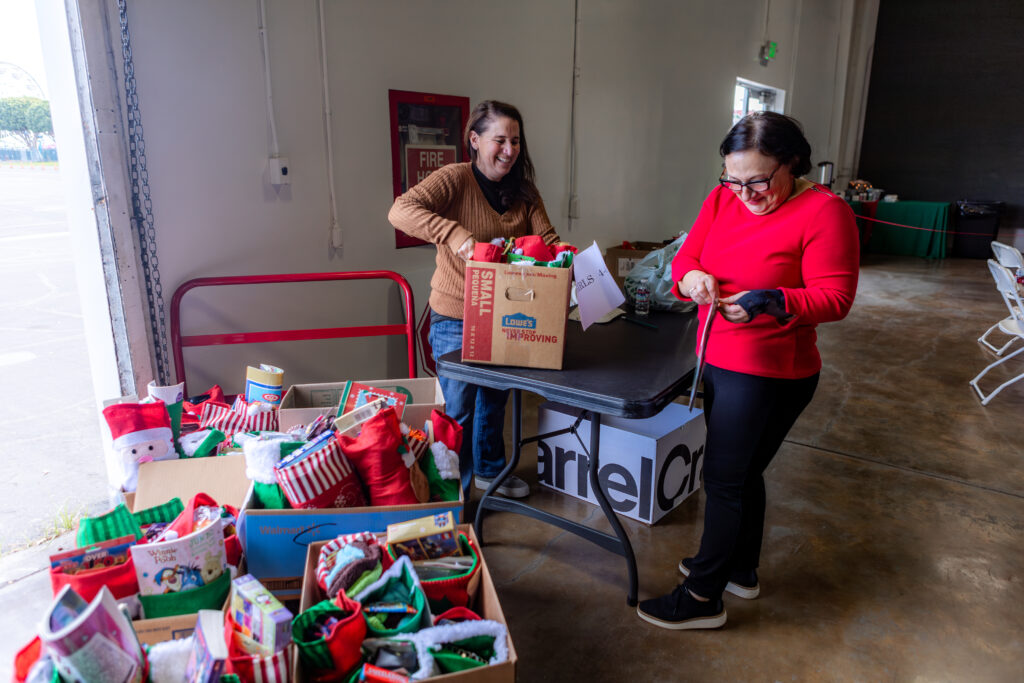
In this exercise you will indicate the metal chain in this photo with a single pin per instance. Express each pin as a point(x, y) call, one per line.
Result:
point(142, 205)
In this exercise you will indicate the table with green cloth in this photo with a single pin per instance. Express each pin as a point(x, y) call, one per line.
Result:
point(921, 231)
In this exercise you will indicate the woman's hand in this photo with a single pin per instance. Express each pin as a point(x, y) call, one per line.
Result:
point(465, 251)
point(699, 286)
point(732, 311)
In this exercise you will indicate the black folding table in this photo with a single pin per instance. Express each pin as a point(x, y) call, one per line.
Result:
point(619, 368)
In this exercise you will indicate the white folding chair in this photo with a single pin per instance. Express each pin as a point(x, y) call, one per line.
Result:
point(1006, 283)
point(1008, 257)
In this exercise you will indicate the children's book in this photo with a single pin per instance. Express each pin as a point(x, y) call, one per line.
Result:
point(209, 649)
point(356, 395)
point(97, 556)
point(181, 564)
point(91, 642)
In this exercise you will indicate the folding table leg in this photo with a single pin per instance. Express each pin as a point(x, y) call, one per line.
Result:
point(602, 499)
point(513, 461)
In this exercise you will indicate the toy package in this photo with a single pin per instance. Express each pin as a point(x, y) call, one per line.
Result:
point(425, 538)
point(259, 615)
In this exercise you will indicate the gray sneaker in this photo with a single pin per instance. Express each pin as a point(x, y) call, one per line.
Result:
point(512, 487)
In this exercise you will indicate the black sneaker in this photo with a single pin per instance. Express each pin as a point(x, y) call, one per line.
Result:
point(680, 611)
point(742, 584)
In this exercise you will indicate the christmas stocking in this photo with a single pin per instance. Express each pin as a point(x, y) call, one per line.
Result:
point(377, 456)
point(262, 454)
point(173, 397)
point(201, 444)
point(141, 433)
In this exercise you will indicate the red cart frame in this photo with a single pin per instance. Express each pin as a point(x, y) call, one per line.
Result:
point(179, 342)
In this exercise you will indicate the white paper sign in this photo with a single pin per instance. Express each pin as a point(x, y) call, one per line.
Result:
point(595, 288)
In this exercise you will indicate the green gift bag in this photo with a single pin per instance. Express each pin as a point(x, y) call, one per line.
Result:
point(210, 596)
point(398, 584)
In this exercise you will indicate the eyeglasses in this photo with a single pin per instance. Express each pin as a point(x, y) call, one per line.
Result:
point(761, 185)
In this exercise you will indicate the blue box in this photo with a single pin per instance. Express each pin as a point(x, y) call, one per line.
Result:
point(275, 541)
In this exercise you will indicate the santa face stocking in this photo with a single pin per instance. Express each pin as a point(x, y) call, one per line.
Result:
point(141, 433)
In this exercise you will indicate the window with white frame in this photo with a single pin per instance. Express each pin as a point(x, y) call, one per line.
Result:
point(750, 96)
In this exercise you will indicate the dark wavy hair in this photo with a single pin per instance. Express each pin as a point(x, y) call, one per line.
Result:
point(775, 135)
point(518, 185)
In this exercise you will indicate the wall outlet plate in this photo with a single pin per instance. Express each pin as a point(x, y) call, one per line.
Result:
point(279, 171)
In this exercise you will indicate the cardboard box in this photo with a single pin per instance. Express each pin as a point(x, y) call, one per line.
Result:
point(486, 605)
point(515, 315)
point(647, 467)
point(153, 631)
point(303, 403)
point(620, 261)
point(221, 477)
point(275, 541)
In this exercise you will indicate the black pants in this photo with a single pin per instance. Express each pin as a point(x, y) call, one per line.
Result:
point(747, 418)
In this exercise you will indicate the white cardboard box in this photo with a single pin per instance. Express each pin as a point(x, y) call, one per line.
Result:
point(647, 467)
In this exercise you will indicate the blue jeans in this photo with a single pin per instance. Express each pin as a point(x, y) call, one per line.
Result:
point(480, 411)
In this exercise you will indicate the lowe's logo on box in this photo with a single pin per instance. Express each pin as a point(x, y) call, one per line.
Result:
point(519, 321)
point(647, 467)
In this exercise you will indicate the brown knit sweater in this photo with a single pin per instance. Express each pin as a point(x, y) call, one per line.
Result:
point(447, 208)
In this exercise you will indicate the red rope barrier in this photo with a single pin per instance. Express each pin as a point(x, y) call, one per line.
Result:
point(915, 227)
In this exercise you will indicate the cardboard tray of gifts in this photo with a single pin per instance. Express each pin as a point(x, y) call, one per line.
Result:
point(275, 541)
point(485, 604)
point(221, 477)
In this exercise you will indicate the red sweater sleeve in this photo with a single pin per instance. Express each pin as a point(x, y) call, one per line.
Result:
point(688, 256)
point(829, 266)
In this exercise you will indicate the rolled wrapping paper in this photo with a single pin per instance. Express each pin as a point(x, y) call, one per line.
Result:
point(172, 395)
point(264, 384)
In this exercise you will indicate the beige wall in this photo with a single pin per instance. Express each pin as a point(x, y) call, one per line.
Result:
point(654, 100)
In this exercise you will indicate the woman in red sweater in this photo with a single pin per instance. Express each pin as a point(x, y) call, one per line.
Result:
point(777, 255)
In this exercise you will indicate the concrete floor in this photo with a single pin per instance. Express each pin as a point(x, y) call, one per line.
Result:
point(50, 425)
point(893, 542)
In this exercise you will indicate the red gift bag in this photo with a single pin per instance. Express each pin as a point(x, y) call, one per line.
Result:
point(250, 668)
point(120, 579)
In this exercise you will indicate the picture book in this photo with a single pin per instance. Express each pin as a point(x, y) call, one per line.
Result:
point(97, 556)
point(259, 615)
point(181, 564)
point(93, 642)
point(209, 649)
point(356, 394)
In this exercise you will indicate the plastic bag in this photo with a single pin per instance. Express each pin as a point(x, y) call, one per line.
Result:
point(655, 270)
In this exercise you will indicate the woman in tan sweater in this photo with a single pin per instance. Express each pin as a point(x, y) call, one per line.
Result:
point(454, 208)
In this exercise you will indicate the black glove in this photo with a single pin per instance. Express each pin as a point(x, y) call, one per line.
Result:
point(770, 301)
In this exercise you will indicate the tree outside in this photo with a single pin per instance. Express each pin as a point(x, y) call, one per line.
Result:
point(26, 119)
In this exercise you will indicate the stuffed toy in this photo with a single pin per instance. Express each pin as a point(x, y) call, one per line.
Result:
point(141, 433)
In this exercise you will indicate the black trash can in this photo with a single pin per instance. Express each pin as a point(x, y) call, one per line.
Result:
point(977, 225)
